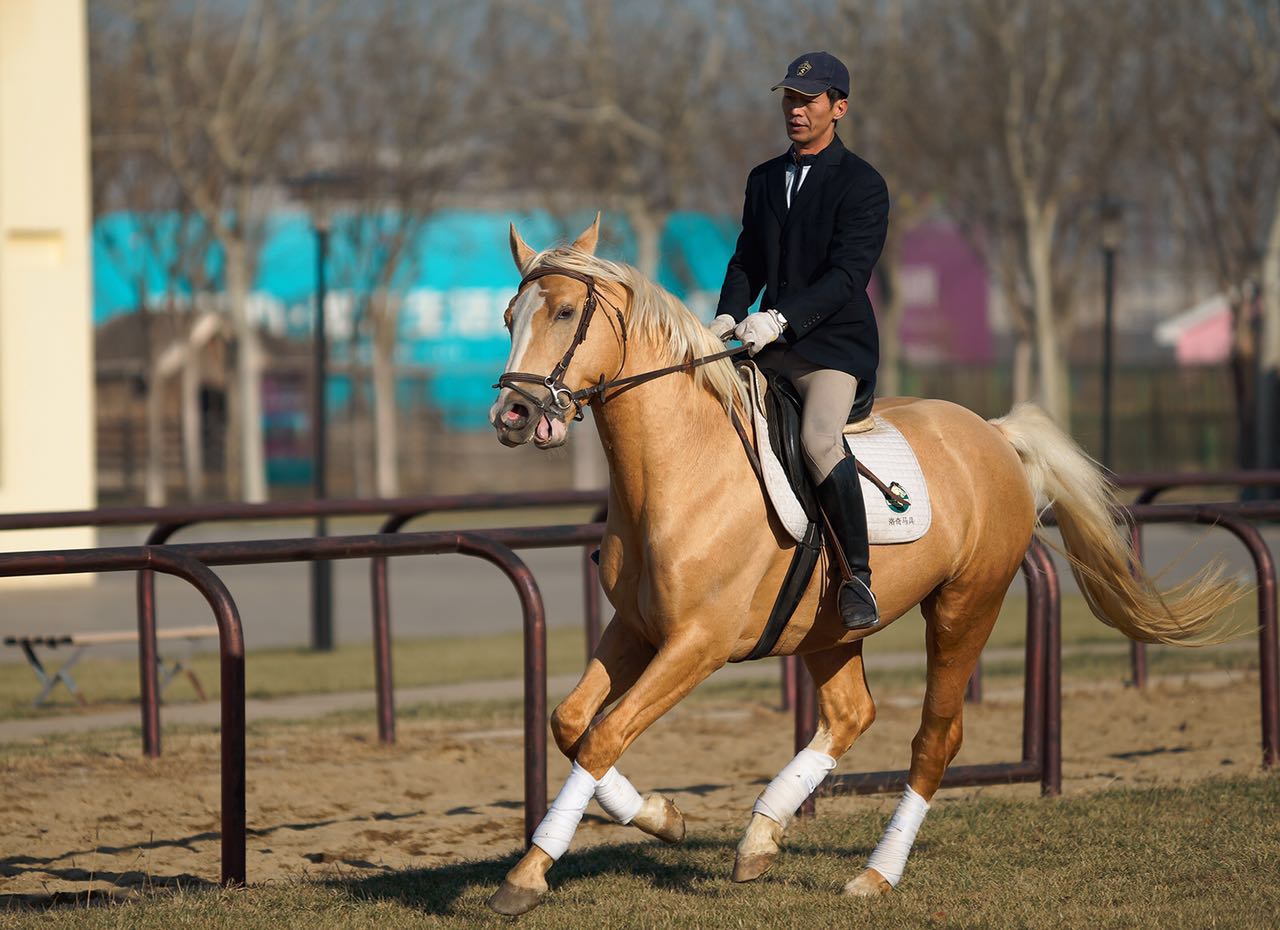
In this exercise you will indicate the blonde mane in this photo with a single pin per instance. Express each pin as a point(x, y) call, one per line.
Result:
point(659, 317)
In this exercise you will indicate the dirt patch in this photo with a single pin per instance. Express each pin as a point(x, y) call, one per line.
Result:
point(330, 800)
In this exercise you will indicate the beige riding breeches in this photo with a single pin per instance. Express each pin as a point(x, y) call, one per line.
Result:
point(828, 397)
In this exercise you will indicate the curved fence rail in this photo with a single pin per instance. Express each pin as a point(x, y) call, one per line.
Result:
point(231, 660)
point(1153, 486)
point(192, 561)
point(165, 521)
point(1234, 518)
point(1041, 710)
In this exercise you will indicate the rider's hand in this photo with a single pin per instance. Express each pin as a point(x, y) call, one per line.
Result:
point(722, 326)
point(760, 329)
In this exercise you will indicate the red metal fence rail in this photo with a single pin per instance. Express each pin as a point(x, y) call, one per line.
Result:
point(1152, 486)
point(191, 562)
point(166, 521)
point(1041, 710)
point(231, 659)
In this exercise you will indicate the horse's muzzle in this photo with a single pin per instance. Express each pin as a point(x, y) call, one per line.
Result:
point(517, 423)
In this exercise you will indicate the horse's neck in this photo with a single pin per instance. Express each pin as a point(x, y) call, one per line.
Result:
point(661, 439)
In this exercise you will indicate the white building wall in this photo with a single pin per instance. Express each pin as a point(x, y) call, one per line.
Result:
point(46, 350)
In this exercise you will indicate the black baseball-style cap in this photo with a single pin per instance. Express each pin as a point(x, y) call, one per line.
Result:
point(815, 72)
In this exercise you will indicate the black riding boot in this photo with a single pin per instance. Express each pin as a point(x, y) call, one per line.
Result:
point(840, 496)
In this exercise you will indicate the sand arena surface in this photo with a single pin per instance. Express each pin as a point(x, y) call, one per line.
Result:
point(328, 799)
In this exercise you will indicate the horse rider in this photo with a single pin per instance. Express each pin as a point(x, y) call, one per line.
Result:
point(813, 225)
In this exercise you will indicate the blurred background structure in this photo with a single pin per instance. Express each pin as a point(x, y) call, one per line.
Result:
point(46, 361)
point(1086, 212)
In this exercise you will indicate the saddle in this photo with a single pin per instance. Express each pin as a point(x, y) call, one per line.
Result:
point(785, 478)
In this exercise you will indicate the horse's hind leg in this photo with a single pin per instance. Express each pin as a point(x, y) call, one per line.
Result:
point(958, 622)
point(845, 710)
point(674, 671)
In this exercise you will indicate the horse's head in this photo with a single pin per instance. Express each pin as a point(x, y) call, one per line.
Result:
point(556, 349)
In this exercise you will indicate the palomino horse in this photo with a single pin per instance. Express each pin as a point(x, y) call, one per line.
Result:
point(692, 555)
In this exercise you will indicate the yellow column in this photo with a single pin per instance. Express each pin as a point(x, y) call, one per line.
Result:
point(46, 327)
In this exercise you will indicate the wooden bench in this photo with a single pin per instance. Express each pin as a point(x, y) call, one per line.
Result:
point(82, 641)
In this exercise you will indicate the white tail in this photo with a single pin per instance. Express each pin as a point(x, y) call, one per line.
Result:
point(1119, 592)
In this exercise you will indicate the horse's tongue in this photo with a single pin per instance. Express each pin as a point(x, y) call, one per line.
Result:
point(543, 431)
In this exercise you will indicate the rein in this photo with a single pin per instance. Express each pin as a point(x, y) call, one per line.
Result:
point(559, 394)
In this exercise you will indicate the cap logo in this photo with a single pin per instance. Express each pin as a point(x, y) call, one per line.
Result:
point(804, 69)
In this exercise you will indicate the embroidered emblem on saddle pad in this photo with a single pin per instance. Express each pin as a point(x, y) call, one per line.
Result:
point(879, 446)
point(886, 453)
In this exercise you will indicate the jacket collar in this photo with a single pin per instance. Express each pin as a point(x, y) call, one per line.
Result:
point(812, 186)
point(828, 156)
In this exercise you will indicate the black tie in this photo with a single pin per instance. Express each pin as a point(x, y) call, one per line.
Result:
point(800, 162)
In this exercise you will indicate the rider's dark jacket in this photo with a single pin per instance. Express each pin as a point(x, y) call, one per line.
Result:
point(814, 261)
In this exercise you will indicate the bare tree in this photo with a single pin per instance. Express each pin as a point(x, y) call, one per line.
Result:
point(156, 241)
point(1256, 26)
point(1213, 75)
point(403, 143)
point(1038, 115)
point(626, 91)
point(226, 88)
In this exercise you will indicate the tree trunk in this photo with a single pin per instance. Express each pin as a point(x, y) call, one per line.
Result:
point(192, 450)
point(248, 378)
point(1052, 393)
point(1023, 371)
point(154, 482)
point(386, 315)
point(889, 273)
point(647, 226)
point(1268, 388)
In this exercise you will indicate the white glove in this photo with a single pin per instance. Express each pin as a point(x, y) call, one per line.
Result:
point(760, 329)
point(722, 326)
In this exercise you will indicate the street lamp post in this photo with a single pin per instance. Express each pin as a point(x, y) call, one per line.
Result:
point(317, 190)
point(1112, 231)
point(321, 570)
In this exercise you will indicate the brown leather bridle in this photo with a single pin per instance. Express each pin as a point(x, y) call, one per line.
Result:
point(560, 399)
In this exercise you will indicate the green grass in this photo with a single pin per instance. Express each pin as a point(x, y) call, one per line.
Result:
point(451, 660)
point(1207, 855)
point(283, 672)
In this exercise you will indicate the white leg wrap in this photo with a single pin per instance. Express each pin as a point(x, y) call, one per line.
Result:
point(557, 828)
point(618, 796)
point(890, 855)
point(793, 785)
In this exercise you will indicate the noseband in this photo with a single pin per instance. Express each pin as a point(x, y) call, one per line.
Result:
point(560, 400)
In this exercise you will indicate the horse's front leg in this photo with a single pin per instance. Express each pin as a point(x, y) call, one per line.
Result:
point(845, 710)
point(672, 673)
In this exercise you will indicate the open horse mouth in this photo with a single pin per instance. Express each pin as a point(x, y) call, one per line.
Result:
point(516, 425)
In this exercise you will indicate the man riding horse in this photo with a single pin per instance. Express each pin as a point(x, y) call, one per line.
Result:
point(813, 225)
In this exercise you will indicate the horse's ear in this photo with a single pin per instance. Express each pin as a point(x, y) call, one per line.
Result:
point(590, 236)
point(520, 252)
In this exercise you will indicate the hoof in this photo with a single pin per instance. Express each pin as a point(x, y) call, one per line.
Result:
point(749, 868)
point(513, 900)
point(867, 885)
point(660, 817)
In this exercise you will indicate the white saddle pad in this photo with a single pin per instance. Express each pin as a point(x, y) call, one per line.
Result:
point(888, 455)
point(885, 452)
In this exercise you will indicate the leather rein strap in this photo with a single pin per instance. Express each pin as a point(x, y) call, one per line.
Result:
point(559, 399)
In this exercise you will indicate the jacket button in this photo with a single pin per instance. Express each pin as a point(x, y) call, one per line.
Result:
point(782, 283)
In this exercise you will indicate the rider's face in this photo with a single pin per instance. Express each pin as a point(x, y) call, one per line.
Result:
point(808, 119)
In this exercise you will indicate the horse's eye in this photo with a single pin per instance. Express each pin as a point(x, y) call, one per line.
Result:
point(564, 313)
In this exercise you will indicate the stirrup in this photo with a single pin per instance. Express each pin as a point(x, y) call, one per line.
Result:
point(858, 608)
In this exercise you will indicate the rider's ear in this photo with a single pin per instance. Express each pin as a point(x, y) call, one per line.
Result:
point(521, 252)
point(587, 241)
